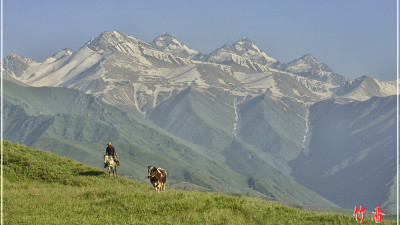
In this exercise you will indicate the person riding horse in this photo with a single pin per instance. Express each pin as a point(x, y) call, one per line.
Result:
point(110, 150)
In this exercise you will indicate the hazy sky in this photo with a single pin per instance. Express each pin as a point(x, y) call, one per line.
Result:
point(354, 38)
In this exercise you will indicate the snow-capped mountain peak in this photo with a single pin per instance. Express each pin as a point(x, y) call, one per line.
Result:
point(243, 52)
point(310, 59)
point(17, 64)
point(306, 63)
point(16, 56)
point(165, 39)
point(167, 43)
point(245, 47)
point(308, 66)
point(245, 44)
point(114, 59)
point(115, 41)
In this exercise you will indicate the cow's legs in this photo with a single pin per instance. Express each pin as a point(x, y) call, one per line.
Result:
point(157, 187)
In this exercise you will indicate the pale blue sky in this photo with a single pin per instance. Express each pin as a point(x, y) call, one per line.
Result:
point(354, 38)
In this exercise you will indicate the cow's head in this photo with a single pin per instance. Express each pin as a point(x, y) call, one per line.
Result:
point(151, 171)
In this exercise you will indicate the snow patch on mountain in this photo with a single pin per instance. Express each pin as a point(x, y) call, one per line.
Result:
point(387, 87)
point(63, 53)
point(259, 81)
point(111, 83)
point(307, 136)
point(181, 76)
point(63, 71)
point(140, 98)
point(365, 87)
point(235, 124)
point(162, 89)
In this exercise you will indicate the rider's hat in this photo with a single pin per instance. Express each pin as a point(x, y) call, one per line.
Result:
point(109, 143)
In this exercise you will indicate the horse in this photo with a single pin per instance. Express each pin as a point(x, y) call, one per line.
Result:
point(111, 165)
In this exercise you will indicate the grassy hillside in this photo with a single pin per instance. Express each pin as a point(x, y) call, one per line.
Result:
point(42, 188)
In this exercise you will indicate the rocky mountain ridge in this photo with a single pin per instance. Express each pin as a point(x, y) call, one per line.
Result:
point(114, 61)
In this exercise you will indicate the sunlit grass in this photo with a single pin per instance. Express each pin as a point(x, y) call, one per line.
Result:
point(42, 188)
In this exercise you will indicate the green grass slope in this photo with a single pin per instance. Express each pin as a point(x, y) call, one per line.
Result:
point(42, 188)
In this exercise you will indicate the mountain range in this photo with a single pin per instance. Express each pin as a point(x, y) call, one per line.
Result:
point(234, 120)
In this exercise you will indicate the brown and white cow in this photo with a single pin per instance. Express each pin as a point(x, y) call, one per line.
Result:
point(158, 177)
